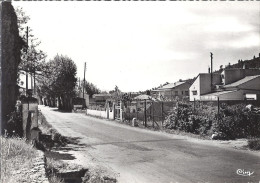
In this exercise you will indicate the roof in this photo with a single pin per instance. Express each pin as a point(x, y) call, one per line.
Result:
point(170, 86)
point(102, 95)
point(144, 97)
point(242, 81)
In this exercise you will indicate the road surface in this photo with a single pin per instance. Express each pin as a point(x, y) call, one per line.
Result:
point(144, 156)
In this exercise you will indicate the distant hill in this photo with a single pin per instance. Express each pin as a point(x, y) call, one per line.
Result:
point(253, 63)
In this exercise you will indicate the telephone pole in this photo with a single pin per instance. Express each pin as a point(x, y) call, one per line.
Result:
point(211, 73)
point(26, 72)
point(84, 78)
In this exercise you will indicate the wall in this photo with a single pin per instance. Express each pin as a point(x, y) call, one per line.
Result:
point(102, 114)
point(11, 44)
point(203, 85)
point(180, 89)
point(236, 95)
point(205, 80)
point(195, 87)
point(233, 75)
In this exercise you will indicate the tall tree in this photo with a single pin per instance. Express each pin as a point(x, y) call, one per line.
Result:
point(32, 58)
point(59, 81)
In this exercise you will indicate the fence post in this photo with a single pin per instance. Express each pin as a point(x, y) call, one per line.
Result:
point(114, 110)
point(145, 120)
point(129, 111)
point(218, 108)
point(194, 104)
point(136, 111)
point(162, 114)
point(150, 114)
point(153, 113)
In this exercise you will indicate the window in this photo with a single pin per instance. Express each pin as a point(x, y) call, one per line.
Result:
point(176, 92)
point(186, 93)
point(194, 92)
point(182, 92)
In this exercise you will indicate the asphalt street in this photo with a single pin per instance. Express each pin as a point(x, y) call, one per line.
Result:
point(140, 155)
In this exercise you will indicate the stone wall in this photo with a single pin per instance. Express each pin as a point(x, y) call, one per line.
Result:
point(11, 44)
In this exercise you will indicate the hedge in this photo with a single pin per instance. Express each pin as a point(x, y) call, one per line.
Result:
point(235, 121)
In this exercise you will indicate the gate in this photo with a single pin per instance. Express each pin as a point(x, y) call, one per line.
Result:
point(118, 111)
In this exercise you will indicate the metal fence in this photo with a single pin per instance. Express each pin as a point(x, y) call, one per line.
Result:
point(150, 113)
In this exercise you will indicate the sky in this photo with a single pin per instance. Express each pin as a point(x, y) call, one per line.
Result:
point(140, 45)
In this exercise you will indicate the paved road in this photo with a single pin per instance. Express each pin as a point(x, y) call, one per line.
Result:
point(144, 156)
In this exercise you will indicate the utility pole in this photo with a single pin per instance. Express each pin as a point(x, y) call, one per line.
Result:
point(26, 72)
point(84, 78)
point(32, 79)
point(34, 84)
point(211, 72)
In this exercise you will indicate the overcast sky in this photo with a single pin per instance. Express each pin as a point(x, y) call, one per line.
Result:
point(140, 45)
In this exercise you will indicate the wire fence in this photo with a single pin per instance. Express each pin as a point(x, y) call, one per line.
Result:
point(148, 112)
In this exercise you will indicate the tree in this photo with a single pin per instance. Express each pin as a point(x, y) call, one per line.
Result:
point(90, 88)
point(32, 58)
point(116, 93)
point(59, 81)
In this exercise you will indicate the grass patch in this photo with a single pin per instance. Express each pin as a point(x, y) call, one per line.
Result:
point(16, 155)
point(254, 144)
point(52, 170)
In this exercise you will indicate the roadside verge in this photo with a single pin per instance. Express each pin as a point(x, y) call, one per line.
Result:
point(62, 164)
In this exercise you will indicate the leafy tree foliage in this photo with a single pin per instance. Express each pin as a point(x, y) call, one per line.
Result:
point(32, 58)
point(58, 80)
point(90, 88)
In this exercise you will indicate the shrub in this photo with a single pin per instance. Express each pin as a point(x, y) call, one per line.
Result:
point(236, 121)
point(254, 144)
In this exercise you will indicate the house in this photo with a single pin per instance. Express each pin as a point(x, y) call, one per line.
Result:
point(172, 91)
point(231, 84)
point(202, 85)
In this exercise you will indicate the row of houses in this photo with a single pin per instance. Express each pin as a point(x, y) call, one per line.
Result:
point(230, 84)
point(236, 84)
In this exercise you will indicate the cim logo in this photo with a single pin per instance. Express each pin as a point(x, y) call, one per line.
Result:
point(244, 172)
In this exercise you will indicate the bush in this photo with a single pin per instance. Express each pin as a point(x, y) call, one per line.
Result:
point(184, 118)
point(254, 144)
point(236, 121)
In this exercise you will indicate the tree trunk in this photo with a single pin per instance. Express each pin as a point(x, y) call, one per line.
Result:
point(59, 103)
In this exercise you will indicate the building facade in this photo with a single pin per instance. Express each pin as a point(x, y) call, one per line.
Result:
point(172, 91)
point(230, 85)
